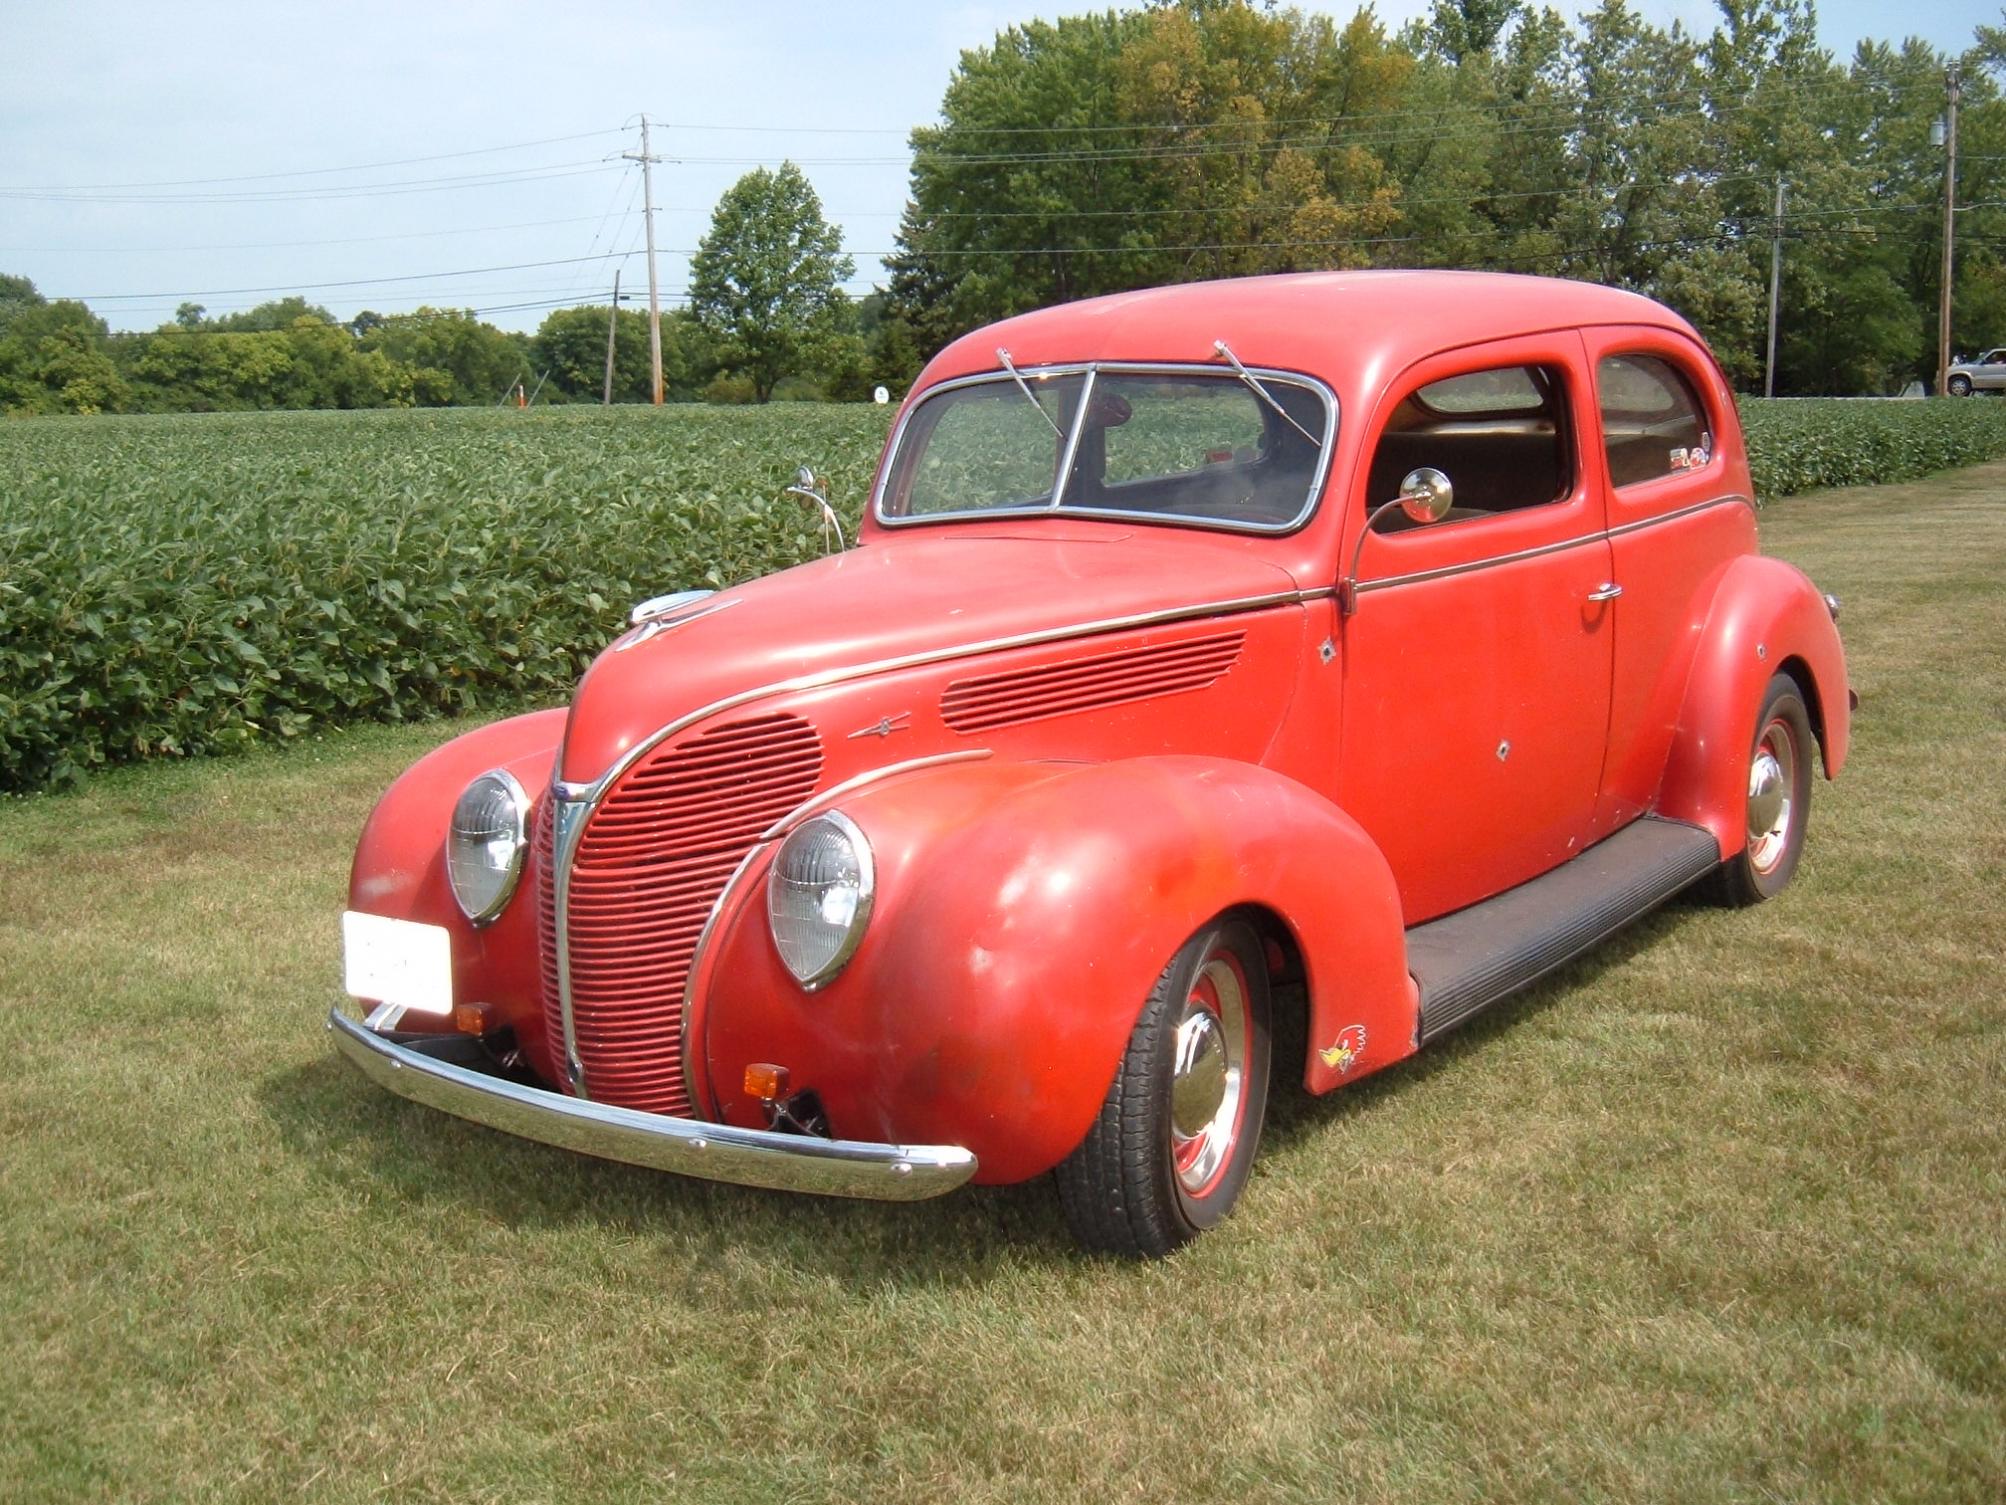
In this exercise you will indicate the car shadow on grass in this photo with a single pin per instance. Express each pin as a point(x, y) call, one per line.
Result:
point(1294, 1113)
point(377, 1147)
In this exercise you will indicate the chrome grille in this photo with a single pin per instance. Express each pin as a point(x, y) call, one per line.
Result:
point(654, 857)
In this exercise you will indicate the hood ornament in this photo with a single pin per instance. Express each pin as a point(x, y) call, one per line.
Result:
point(885, 726)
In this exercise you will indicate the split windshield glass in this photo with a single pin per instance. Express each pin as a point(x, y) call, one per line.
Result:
point(1193, 444)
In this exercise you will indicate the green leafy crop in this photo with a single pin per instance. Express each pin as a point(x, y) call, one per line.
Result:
point(178, 585)
point(189, 584)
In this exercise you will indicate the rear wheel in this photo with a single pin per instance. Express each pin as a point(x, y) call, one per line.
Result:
point(1171, 1149)
point(1779, 799)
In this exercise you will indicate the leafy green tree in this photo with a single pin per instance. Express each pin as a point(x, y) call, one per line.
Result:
point(17, 294)
point(1460, 30)
point(279, 313)
point(51, 360)
point(571, 345)
point(765, 283)
point(481, 360)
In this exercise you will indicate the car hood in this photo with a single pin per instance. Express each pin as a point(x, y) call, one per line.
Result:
point(913, 596)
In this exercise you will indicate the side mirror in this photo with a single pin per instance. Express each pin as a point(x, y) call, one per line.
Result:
point(1426, 495)
point(814, 493)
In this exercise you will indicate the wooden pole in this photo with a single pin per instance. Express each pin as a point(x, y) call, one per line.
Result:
point(1775, 285)
point(647, 159)
point(1949, 236)
point(612, 327)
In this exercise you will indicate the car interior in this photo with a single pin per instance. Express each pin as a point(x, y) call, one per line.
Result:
point(1500, 436)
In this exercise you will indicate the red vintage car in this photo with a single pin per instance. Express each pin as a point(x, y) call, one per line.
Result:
point(1317, 657)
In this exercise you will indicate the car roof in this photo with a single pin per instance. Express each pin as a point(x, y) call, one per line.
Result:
point(1336, 325)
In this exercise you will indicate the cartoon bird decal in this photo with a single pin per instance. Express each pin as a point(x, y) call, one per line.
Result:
point(1343, 1052)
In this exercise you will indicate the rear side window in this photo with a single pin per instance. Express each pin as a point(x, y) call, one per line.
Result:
point(1653, 423)
point(1499, 435)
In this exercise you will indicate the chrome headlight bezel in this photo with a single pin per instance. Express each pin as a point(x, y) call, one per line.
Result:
point(817, 972)
point(506, 797)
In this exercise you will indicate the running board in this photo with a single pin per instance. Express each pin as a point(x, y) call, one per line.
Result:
point(1466, 961)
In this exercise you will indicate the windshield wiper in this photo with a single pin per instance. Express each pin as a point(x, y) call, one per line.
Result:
point(1262, 392)
point(1024, 387)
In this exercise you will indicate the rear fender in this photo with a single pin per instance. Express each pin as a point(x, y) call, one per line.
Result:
point(1023, 914)
point(1766, 616)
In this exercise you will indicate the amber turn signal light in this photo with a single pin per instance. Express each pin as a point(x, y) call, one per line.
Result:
point(471, 1018)
point(766, 1082)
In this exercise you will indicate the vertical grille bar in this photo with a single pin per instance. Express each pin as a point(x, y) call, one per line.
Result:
point(655, 855)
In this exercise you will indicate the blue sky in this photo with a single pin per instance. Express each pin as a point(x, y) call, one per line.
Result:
point(172, 98)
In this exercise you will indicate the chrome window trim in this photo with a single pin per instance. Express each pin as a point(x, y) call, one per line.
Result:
point(1074, 431)
point(1318, 479)
point(1416, 577)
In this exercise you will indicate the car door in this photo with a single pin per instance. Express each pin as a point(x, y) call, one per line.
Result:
point(1677, 509)
point(1477, 649)
point(1991, 373)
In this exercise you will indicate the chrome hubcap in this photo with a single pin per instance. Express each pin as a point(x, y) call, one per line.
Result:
point(1207, 1074)
point(1771, 776)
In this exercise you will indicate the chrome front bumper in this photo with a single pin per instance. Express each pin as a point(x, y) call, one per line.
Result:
point(689, 1147)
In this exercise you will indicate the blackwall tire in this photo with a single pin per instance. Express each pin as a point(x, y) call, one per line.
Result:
point(1779, 799)
point(1174, 1141)
point(1960, 386)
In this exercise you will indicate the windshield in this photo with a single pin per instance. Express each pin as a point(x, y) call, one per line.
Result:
point(1196, 444)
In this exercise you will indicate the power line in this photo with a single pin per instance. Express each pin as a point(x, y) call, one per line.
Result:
point(310, 172)
point(284, 245)
point(504, 179)
point(296, 287)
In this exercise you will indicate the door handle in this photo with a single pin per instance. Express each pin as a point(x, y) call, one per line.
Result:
point(1608, 590)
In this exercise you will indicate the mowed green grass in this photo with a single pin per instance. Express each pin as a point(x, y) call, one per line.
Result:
point(1715, 1214)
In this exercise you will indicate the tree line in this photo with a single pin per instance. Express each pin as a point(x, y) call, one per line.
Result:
point(1189, 139)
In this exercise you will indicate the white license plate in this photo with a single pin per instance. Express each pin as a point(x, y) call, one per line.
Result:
point(398, 962)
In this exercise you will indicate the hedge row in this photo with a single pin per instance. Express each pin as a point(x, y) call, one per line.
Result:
point(178, 585)
point(1809, 444)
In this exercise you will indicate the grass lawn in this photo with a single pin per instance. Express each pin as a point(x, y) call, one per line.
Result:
point(1714, 1214)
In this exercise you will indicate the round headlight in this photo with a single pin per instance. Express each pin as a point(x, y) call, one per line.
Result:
point(484, 847)
point(818, 897)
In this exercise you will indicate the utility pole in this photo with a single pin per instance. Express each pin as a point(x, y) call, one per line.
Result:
point(612, 324)
point(648, 161)
point(1775, 285)
point(1949, 233)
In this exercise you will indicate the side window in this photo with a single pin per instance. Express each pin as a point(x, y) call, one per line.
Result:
point(1499, 435)
point(1653, 423)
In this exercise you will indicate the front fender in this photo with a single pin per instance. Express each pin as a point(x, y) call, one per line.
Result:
point(400, 864)
point(1766, 616)
point(1024, 912)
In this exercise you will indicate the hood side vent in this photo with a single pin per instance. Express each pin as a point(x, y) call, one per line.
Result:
point(1082, 684)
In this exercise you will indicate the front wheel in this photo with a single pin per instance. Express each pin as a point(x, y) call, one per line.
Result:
point(1960, 386)
point(1779, 799)
point(1175, 1138)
